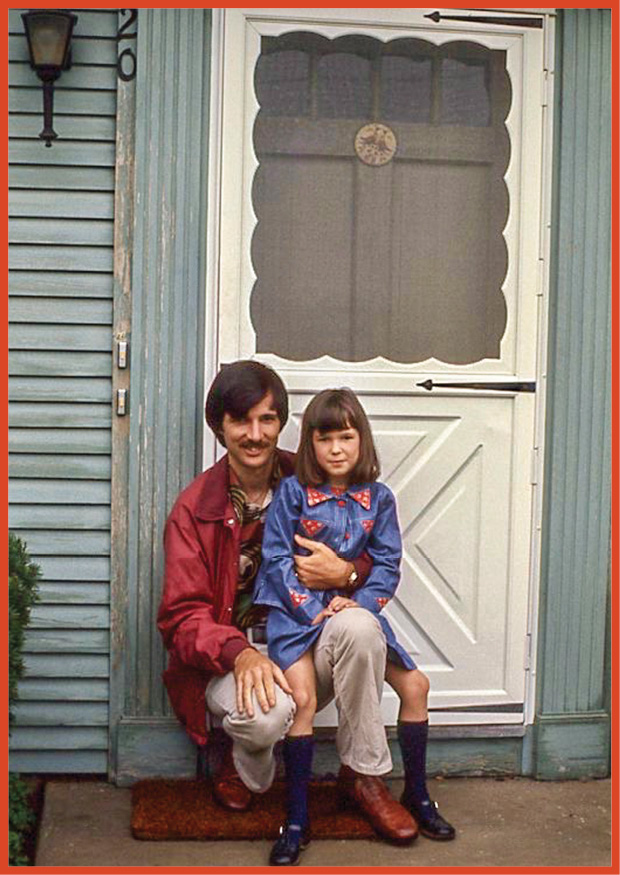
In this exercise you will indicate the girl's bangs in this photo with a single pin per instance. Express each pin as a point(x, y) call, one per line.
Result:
point(333, 416)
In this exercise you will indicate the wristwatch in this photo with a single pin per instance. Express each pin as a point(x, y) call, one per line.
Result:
point(352, 579)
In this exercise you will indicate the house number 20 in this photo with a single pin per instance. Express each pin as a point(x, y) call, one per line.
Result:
point(126, 63)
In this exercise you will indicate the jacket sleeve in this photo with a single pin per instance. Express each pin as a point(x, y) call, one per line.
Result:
point(385, 549)
point(187, 617)
point(278, 585)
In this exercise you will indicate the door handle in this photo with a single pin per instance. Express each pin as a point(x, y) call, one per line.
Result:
point(484, 387)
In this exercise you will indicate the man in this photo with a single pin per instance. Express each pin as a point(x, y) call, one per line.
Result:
point(218, 669)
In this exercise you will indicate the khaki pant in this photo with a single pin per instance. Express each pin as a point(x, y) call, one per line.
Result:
point(349, 658)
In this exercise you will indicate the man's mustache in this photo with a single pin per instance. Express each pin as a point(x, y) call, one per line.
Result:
point(254, 445)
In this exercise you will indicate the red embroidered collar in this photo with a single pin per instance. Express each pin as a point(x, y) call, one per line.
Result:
point(316, 496)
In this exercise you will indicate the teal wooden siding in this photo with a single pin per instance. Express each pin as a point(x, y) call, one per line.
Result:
point(167, 364)
point(61, 207)
point(572, 716)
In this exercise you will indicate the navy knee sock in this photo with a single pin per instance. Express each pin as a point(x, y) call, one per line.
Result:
point(297, 752)
point(413, 738)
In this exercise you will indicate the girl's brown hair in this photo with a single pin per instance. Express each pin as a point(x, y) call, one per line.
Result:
point(334, 410)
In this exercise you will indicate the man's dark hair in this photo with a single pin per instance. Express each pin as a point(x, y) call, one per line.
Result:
point(335, 410)
point(237, 388)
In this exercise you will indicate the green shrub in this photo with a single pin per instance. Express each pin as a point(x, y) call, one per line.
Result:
point(23, 593)
point(20, 819)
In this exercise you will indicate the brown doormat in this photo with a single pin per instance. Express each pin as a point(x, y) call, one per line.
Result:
point(164, 810)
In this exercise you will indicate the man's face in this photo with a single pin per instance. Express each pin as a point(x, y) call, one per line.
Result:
point(251, 440)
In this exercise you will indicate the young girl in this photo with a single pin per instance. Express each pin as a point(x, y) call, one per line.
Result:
point(335, 498)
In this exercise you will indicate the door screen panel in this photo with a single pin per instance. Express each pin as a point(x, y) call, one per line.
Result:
point(403, 261)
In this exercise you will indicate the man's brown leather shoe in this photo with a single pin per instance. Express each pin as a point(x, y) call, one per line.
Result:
point(386, 815)
point(228, 788)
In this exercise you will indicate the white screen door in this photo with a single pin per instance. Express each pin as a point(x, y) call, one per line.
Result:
point(380, 228)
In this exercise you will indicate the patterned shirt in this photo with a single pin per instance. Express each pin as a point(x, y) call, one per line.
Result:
point(251, 517)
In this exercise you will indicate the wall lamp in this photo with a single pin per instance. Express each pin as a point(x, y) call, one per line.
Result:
point(49, 44)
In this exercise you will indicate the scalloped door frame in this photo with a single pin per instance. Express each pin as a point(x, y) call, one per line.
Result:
point(441, 449)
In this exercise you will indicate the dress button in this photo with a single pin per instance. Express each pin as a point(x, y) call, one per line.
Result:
point(230, 522)
point(342, 504)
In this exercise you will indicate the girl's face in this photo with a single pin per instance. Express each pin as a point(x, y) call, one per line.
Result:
point(337, 453)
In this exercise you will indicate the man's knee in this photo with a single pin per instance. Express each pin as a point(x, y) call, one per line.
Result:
point(358, 629)
point(265, 728)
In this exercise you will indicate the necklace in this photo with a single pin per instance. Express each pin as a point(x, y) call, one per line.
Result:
point(257, 498)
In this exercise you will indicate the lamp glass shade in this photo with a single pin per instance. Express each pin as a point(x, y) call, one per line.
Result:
point(49, 35)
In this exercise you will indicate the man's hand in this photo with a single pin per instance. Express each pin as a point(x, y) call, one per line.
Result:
point(322, 569)
point(255, 672)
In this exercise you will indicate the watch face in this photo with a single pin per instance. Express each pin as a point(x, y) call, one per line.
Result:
point(375, 144)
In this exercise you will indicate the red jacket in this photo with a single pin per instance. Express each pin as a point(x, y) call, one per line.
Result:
point(201, 542)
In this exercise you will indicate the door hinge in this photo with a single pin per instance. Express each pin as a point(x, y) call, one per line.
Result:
point(121, 402)
point(527, 656)
point(534, 469)
point(122, 348)
point(545, 88)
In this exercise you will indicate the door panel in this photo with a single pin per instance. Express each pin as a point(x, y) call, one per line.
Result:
point(380, 276)
point(460, 605)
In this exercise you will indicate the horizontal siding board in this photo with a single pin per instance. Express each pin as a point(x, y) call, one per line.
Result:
point(96, 258)
point(59, 467)
point(60, 416)
point(61, 714)
point(36, 738)
point(68, 102)
point(70, 617)
point(48, 283)
point(88, 24)
point(62, 311)
point(74, 232)
point(67, 665)
point(91, 77)
point(65, 152)
point(57, 593)
point(69, 544)
point(68, 641)
point(64, 337)
point(59, 516)
point(73, 762)
point(62, 389)
point(59, 492)
point(79, 568)
point(65, 689)
point(90, 441)
point(64, 178)
point(84, 52)
point(31, 363)
point(73, 205)
point(96, 128)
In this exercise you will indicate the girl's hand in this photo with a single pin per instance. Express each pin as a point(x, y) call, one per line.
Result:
point(322, 615)
point(340, 602)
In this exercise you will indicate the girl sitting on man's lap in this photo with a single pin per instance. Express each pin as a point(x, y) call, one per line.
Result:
point(335, 498)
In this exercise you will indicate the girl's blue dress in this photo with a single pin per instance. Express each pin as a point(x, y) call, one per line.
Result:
point(362, 518)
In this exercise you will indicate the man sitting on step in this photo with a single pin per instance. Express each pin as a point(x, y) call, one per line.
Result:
point(218, 672)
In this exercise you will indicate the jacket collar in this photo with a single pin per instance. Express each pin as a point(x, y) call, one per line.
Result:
point(213, 501)
point(361, 494)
